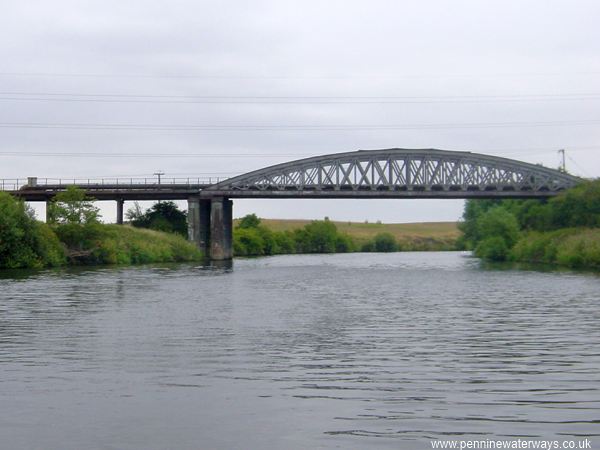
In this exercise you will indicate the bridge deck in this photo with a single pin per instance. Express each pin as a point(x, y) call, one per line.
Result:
point(377, 194)
point(114, 192)
point(109, 189)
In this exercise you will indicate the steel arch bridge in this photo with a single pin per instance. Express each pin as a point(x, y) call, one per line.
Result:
point(397, 173)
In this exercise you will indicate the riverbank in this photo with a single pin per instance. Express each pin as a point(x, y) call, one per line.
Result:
point(123, 244)
point(563, 231)
point(76, 237)
point(576, 248)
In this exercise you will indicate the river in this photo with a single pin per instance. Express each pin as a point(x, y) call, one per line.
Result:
point(348, 351)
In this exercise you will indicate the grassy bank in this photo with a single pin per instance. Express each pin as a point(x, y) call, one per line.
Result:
point(123, 244)
point(576, 248)
point(76, 237)
point(409, 236)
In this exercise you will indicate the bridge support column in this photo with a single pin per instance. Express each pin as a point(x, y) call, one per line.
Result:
point(120, 204)
point(221, 228)
point(199, 223)
point(48, 203)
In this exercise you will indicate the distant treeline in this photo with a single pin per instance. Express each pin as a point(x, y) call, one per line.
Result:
point(564, 230)
point(252, 238)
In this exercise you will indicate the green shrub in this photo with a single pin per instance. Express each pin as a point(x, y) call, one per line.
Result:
point(249, 221)
point(344, 243)
point(80, 237)
point(24, 242)
point(48, 247)
point(250, 238)
point(368, 246)
point(270, 246)
point(285, 242)
point(319, 237)
point(248, 242)
point(580, 249)
point(571, 247)
point(73, 206)
point(493, 248)
point(498, 222)
point(577, 207)
point(162, 216)
point(385, 242)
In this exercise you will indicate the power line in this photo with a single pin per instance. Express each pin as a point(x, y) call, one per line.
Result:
point(148, 155)
point(291, 99)
point(521, 151)
point(281, 127)
point(576, 94)
point(584, 171)
point(140, 176)
point(238, 76)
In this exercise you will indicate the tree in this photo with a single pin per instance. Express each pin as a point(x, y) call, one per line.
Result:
point(249, 221)
point(134, 213)
point(532, 214)
point(493, 248)
point(24, 242)
point(73, 206)
point(163, 216)
point(578, 207)
point(248, 242)
point(385, 242)
point(473, 211)
point(498, 222)
point(498, 231)
point(320, 237)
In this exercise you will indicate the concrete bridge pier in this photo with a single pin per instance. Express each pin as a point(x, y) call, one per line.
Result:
point(210, 226)
point(48, 203)
point(221, 229)
point(199, 223)
point(120, 204)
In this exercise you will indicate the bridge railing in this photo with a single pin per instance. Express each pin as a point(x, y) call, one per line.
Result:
point(15, 184)
point(11, 184)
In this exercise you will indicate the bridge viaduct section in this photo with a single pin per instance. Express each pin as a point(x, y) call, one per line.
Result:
point(390, 173)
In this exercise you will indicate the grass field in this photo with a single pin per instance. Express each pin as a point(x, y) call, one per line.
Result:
point(413, 235)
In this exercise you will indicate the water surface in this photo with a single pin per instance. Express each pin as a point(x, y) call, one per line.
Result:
point(297, 352)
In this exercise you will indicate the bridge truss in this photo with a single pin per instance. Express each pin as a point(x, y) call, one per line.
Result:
point(419, 173)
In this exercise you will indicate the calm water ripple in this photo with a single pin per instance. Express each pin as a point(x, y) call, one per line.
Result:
point(295, 352)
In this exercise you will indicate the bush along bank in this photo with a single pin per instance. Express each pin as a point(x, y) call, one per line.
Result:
point(123, 244)
point(252, 238)
point(75, 236)
point(25, 242)
point(564, 230)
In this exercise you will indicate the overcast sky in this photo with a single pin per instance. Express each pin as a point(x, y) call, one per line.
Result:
point(518, 79)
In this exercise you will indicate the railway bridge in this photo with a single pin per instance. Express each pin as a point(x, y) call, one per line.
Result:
point(376, 174)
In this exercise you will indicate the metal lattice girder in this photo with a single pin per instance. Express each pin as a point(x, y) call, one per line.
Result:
point(424, 173)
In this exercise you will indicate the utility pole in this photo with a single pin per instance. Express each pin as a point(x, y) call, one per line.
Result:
point(159, 174)
point(563, 166)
